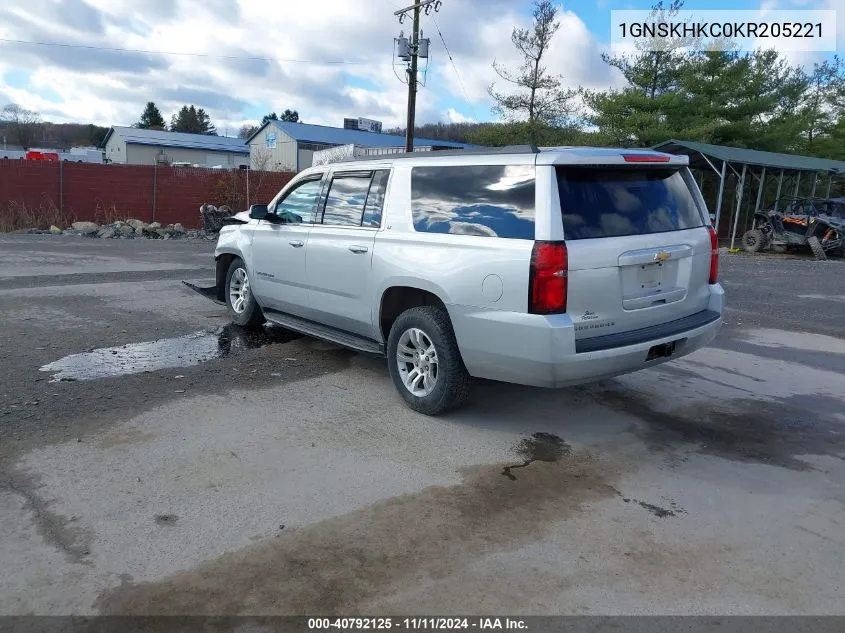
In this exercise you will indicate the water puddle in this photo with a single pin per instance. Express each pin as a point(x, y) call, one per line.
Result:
point(542, 447)
point(182, 351)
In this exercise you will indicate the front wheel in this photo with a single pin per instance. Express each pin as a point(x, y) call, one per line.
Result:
point(239, 298)
point(816, 247)
point(424, 361)
point(753, 240)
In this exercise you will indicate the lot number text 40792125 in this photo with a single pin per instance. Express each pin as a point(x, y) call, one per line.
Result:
point(414, 624)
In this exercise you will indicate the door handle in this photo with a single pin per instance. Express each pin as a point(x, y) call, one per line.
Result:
point(358, 249)
point(297, 243)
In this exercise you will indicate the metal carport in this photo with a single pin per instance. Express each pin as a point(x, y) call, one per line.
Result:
point(704, 157)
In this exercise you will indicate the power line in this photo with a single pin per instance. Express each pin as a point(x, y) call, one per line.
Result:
point(457, 72)
point(208, 55)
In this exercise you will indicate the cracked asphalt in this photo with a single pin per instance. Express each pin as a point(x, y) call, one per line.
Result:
point(198, 469)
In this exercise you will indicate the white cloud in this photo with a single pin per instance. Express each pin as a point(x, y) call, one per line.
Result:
point(453, 116)
point(109, 87)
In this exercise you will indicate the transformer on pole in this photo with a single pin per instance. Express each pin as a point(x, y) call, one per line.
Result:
point(409, 51)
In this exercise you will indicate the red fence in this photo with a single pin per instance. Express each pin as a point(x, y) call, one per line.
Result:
point(36, 193)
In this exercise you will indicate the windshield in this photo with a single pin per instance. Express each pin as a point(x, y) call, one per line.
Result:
point(613, 202)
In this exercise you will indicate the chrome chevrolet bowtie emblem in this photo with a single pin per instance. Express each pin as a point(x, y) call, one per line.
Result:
point(662, 256)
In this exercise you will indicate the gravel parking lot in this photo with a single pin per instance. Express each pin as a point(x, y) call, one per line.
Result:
point(155, 460)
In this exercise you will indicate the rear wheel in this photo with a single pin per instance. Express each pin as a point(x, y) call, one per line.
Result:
point(753, 240)
point(816, 247)
point(424, 361)
point(239, 298)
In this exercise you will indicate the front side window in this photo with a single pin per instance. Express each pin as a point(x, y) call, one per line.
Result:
point(485, 200)
point(297, 207)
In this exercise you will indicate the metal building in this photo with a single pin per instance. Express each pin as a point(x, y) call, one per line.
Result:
point(133, 146)
point(757, 180)
point(287, 146)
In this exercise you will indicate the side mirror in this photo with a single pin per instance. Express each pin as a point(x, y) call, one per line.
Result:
point(258, 211)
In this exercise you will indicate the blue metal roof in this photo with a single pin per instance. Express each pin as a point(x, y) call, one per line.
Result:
point(161, 138)
point(308, 133)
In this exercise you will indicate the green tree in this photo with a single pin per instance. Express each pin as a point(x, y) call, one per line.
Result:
point(540, 97)
point(832, 145)
point(292, 116)
point(151, 118)
point(766, 115)
point(823, 101)
point(522, 132)
point(193, 121)
point(645, 112)
point(272, 116)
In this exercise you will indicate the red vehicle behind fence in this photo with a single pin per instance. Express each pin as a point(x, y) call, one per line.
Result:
point(49, 156)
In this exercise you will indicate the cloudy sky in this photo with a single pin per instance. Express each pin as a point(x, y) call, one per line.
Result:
point(344, 48)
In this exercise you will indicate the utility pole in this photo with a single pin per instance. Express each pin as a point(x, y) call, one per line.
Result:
point(410, 50)
point(412, 80)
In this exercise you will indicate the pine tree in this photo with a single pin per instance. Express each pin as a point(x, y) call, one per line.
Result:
point(192, 120)
point(151, 118)
point(540, 97)
point(291, 116)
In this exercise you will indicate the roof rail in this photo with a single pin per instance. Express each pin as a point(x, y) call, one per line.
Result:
point(508, 149)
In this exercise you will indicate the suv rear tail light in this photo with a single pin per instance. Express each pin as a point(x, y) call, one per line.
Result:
point(714, 255)
point(547, 278)
point(645, 158)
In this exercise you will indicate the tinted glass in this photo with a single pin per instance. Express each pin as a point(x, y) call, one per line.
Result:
point(298, 205)
point(617, 202)
point(488, 200)
point(375, 200)
point(345, 200)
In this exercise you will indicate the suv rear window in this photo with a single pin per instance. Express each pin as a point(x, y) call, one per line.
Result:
point(485, 200)
point(599, 202)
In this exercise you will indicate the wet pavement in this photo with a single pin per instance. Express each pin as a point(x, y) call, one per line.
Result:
point(166, 353)
point(156, 459)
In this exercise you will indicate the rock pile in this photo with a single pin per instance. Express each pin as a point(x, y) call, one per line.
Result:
point(128, 230)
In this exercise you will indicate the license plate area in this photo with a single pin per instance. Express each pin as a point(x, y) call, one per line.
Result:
point(650, 276)
point(664, 350)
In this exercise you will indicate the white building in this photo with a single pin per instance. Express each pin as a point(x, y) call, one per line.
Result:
point(286, 146)
point(134, 146)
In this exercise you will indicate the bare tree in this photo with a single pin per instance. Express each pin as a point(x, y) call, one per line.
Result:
point(259, 162)
point(259, 158)
point(22, 123)
point(540, 96)
point(247, 130)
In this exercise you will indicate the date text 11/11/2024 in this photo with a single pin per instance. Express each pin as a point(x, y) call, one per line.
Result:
point(415, 624)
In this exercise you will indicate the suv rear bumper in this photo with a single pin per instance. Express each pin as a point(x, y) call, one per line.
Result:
point(541, 351)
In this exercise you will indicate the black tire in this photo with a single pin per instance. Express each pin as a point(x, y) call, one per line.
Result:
point(753, 240)
point(451, 387)
point(250, 315)
point(816, 247)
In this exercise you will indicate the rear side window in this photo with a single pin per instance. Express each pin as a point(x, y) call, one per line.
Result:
point(487, 200)
point(356, 199)
point(346, 199)
point(619, 202)
point(375, 199)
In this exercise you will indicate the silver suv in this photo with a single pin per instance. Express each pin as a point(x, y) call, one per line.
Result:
point(547, 268)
